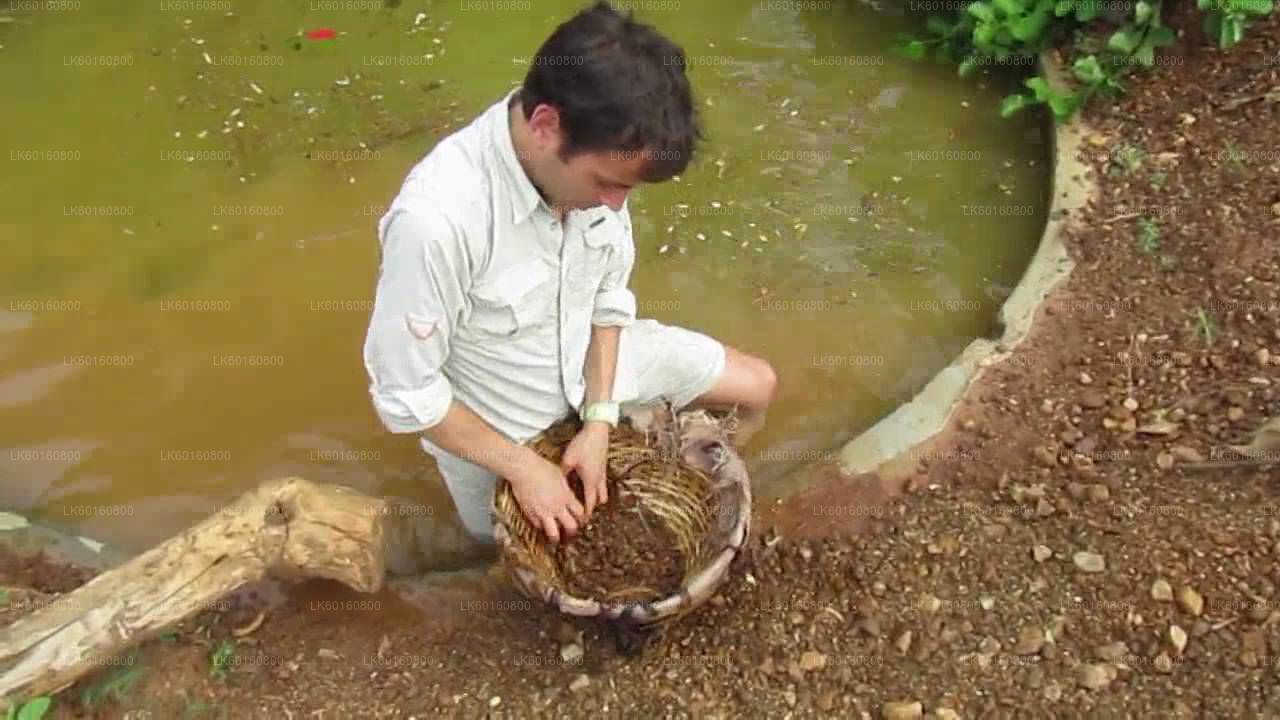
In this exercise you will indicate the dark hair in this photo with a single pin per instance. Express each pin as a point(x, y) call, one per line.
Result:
point(618, 85)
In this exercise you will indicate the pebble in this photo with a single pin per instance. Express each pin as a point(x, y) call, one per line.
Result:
point(1099, 492)
point(1130, 404)
point(1045, 456)
point(580, 683)
point(1177, 638)
point(812, 660)
point(1163, 663)
point(1089, 562)
point(1030, 640)
point(1095, 676)
point(1164, 461)
point(1186, 454)
point(1040, 553)
point(327, 654)
point(903, 643)
point(1263, 357)
point(1086, 378)
point(902, 710)
point(1093, 399)
point(571, 653)
point(944, 713)
point(1161, 591)
point(930, 603)
point(1190, 601)
point(1111, 652)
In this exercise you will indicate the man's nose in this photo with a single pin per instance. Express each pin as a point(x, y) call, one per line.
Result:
point(614, 199)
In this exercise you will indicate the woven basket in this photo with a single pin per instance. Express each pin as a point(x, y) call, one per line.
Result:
point(684, 472)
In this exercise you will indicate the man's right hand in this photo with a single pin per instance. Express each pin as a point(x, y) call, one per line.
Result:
point(546, 499)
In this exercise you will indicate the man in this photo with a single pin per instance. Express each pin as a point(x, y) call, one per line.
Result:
point(502, 302)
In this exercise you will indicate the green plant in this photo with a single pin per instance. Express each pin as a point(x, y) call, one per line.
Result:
point(1127, 159)
point(1205, 325)
point(1014, 32)
point(33, 709)
point(1235, 156)
point(221, 659)
point(115, 685)
point(1226, 20)
point(1148, 235)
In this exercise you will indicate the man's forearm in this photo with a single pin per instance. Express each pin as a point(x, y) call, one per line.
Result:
point(602, 362)
point(466, 435)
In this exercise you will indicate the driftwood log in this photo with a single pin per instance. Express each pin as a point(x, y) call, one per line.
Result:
point(288, 528)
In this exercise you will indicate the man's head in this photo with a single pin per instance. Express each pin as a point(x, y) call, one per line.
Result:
point(606, 106)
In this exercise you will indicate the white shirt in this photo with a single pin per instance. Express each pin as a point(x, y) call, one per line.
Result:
point(484, 296)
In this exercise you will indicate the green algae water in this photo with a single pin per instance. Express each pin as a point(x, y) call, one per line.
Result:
point(190, 188)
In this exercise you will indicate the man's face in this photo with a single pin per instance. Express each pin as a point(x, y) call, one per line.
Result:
point(591, 179)
point(586, 179)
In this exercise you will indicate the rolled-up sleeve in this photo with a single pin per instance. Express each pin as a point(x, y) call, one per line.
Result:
point(419, 298)
point(615, 304)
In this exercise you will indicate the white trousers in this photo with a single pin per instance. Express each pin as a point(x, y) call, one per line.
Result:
point(655, 362)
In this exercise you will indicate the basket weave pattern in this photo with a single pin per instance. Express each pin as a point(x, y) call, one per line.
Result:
point(684, 474)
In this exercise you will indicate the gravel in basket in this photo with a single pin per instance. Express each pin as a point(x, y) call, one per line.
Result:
point(678, 513)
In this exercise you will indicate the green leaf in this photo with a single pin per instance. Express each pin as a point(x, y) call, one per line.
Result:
point(1088, 70)
point(1010, 8)
point(1013, 104)
point(915, 50)
point(1124, 41)
point(1064, 106)
point(35, 709)
point(1233, 30)
point(1142, 12)
point(983, 35)
point(981, 11)
point(1040, 87)
point(1087, 10)
point(1029, 28)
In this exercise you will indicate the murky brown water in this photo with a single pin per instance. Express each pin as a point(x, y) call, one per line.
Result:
point(187, 251)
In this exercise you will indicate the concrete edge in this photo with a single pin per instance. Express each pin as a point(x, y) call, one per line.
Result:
point(925, 415)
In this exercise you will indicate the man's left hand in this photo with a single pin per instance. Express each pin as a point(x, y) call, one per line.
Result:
point(586, 455)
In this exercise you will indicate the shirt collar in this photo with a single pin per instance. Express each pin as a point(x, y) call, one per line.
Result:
point(525, 198)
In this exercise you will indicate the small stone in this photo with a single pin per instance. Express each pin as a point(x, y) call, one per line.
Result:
point(944, 713)
point(1275, 209)
point(1163, 663)
point(1077, 490)
point(1164, 461)
point(1095, 676)
point(580, 683)
point(1086, 378)
point(1259, 612)
point(1111, 652)
point(1234, 414)
point(571, 653)
point(1130, 404)
point(1030, 640)
point(1044, 508)
point(903, 643)
point(1190, 601)
point(902, 710)
point(1099, 492)
point(930, 603)
point(812, 660)
point(1093, 399)
point(1053, 692)
point(1161, 591)
point(327, 654)
point(1089, 562)
point(495, 701)
point(1263, 356)
point(1040, 553)
point(1177, 638)
point(1045, 456)
point(1249, 659)
point(987, 602)
point(1186, 454)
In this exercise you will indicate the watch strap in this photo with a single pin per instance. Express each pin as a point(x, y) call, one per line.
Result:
point(604, 411)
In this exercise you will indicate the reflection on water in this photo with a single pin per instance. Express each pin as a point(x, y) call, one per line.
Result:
point(187, 252)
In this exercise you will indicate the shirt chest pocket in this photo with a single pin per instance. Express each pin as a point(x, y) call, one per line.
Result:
point(513, 300)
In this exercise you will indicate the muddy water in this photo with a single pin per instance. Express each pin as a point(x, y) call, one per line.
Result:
point(187, 253)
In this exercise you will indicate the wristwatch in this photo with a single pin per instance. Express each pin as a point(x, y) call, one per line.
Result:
point(604, 411)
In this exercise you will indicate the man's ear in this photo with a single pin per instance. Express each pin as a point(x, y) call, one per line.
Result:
point(545, 123)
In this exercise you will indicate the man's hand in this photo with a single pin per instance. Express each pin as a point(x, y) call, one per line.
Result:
point(587, 454)
point(544, 496)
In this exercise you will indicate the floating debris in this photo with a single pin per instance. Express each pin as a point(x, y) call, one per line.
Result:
point(208, 60)
point(342, 81)
point(254, 86)
point(700, 236)
point(663, 250)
